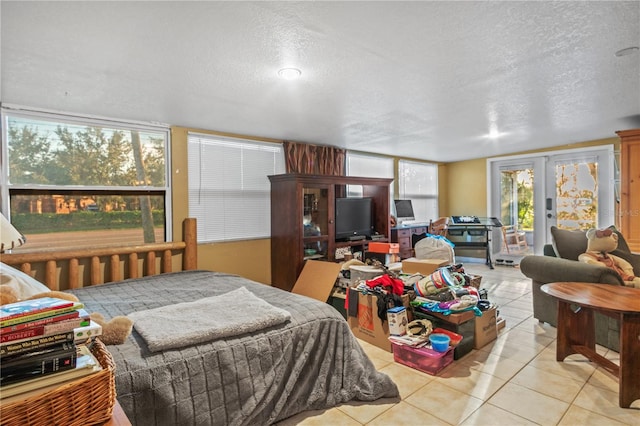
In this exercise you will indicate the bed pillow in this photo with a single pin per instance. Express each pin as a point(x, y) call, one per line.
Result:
point(23, 284)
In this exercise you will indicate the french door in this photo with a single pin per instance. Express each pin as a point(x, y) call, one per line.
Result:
point(572, 189)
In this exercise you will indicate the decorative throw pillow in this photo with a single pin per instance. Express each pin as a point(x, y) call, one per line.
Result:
point(23, 284)
point(568, 244)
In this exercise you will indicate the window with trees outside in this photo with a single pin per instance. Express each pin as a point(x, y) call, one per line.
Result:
point(73, 182)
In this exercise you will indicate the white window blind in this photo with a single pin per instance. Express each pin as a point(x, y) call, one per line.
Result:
point(418, 182)
point(229, 192)
point(363, 165)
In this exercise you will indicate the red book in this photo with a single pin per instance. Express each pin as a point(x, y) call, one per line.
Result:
point(39, 322)
point(22, 334)
point(30, 307)
point(44, 329)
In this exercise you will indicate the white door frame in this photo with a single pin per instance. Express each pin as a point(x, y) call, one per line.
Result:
point(540, 160)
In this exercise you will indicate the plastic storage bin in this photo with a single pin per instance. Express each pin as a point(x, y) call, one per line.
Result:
point(424, 359)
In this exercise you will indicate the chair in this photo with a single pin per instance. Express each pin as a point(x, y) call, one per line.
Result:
point(560, 264)
point(439, 226)
point(513, 238)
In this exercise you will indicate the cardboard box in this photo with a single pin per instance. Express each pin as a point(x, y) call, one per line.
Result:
point(413, 265)
point(500, 323)
point(457, 318)
point(368, 326)
point(376, 247)
point(317, 279)
point(486, 329)
point(398, 321)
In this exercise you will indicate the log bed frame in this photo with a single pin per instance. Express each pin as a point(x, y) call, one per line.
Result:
point(72, 269)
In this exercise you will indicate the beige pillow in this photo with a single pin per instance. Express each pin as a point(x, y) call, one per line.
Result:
point(23, 284)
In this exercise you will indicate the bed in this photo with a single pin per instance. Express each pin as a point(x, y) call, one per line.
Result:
point(310, 361)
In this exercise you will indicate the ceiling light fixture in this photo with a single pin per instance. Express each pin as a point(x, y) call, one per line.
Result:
point(627, 51)
point(290, 73)
point(494, 133)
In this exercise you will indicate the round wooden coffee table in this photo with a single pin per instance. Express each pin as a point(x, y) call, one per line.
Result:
point(576, 328)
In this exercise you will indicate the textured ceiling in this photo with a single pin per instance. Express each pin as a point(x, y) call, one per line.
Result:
point(426, 80)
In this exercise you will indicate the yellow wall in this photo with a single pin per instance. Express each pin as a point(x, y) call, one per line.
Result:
point(466, 190)
point(462, 189)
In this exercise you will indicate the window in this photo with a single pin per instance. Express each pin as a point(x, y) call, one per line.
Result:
point(73, 181)
point(364, 165)
point(229, 192)
point(418, 182)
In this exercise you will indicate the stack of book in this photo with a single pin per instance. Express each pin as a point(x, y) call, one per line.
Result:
point(43, 343)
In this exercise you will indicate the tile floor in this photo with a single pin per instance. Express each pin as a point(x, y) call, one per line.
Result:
point(513, 381)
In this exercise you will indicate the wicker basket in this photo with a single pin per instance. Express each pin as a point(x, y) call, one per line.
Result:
point(475, 280)
point(86, 401)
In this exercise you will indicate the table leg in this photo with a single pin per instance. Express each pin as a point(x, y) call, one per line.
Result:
point(575, 328)
point(629, 359)
point(489, 261)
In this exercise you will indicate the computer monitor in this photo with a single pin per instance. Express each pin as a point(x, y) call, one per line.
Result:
point(404, 210)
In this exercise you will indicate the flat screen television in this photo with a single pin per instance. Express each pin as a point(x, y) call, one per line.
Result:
point(353, 218)
point(404, 210)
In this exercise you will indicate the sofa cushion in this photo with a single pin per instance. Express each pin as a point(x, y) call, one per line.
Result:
point(568, 244)
point(571, 244)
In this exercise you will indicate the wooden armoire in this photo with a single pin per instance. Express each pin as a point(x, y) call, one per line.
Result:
point(630, 187)
point(303, 219)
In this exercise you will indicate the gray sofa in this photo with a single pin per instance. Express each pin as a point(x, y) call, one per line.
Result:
point(560, 264)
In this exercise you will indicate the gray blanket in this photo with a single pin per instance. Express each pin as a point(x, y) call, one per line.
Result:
point(311, 362)
point(185, 324)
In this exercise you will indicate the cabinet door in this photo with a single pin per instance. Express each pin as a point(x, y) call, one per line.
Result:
point(630, 188)
point(317, 221)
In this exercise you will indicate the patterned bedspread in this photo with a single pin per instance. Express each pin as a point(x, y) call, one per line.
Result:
point(311, 362)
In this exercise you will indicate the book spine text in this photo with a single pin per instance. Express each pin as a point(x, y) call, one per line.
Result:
point(11, 349)
point(38, 315)
point(36, 323)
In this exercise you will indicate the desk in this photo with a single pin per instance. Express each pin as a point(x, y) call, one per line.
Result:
point(402, 236)
point(576, 330)
point(472, 232)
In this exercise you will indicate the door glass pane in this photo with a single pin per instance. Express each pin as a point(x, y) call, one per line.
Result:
point(576, 195)
point(516, 203)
